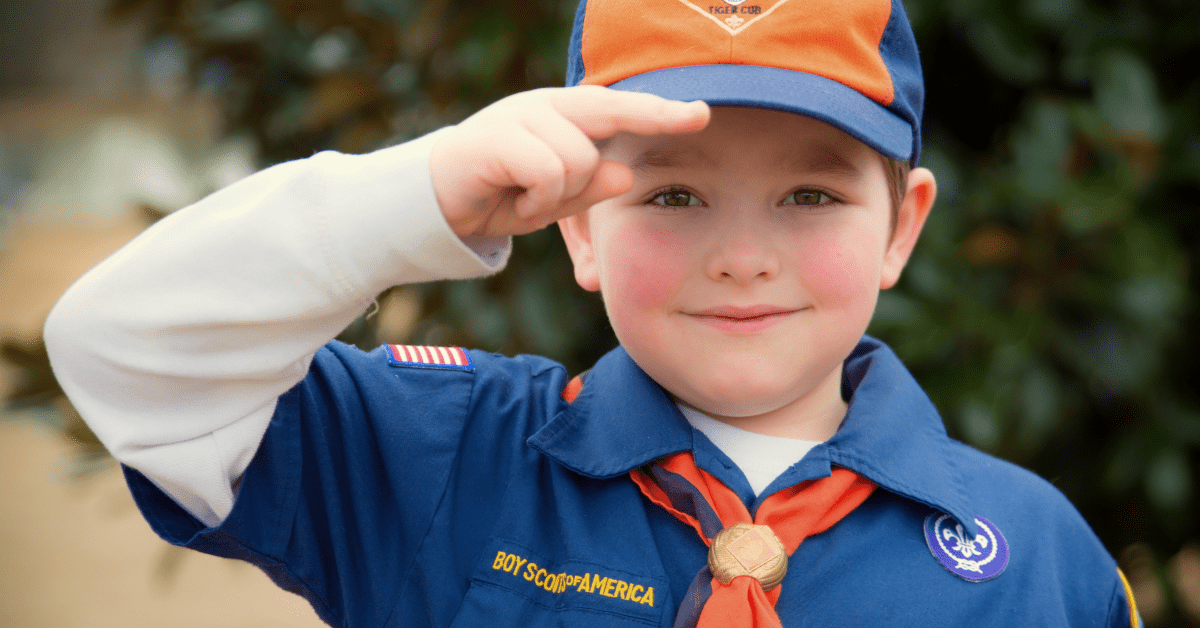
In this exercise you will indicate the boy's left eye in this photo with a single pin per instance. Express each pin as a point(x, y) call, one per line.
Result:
point(807, 197)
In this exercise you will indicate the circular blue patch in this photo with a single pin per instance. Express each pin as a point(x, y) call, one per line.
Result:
point(975, 559)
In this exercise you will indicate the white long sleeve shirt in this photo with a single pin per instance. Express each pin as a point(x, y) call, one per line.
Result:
point(175, 349)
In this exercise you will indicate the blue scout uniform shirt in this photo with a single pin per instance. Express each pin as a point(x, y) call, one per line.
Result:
point(411, 495)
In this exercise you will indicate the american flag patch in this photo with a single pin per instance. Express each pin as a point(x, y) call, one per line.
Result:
point(429, 357)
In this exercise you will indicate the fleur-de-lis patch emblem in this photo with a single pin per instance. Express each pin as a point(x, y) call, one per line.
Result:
point(963, 545)
point(974, 558)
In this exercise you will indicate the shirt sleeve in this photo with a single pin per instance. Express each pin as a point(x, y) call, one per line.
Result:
point(341, 492)
point(1122, 611)
point(176, 349)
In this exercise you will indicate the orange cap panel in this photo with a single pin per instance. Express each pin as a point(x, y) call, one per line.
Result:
point(837, 39)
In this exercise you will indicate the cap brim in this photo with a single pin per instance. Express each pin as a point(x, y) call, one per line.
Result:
point(785, 90)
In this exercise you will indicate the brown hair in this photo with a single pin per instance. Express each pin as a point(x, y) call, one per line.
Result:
point(896, 171)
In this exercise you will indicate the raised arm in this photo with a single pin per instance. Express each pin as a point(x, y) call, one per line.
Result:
point(175, 349)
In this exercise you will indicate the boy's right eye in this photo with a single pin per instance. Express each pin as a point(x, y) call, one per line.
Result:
point(676, 198)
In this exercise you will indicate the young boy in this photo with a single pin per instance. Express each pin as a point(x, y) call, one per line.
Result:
point(745, 457)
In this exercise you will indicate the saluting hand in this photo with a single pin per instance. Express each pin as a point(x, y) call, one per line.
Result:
point(528, 160)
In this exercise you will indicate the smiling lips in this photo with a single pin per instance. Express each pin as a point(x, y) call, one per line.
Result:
point(742, 319)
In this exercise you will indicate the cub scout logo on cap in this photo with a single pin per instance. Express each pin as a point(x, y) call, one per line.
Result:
point(429, 357)
point(972, 558)
point(731, 15)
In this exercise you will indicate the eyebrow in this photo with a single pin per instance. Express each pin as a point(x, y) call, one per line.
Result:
point(821, 160)
point(671, 158)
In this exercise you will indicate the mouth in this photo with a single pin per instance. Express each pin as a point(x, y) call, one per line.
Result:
point(743, 319)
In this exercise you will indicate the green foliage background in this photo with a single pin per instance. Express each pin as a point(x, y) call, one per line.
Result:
point(1049, 309)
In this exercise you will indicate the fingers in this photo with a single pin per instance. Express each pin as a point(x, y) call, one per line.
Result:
point(579, 116)
point(609, 179)
point(602, 113)
point(530, 159)
point(538, 168)
point(576, 152)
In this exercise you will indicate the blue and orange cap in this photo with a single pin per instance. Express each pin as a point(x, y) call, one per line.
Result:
point(849, 63)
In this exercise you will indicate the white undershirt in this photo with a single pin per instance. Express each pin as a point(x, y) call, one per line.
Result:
point(761, 458)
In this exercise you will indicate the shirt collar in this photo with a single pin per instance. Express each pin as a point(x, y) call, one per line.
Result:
point(892, 434)
point(621, 420)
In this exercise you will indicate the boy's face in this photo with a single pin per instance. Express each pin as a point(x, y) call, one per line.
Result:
point(744, 264)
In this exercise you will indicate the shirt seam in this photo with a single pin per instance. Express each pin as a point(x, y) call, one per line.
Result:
point(325, 610)
point(1117, 589)
point(918, 495)
point(342, 279)
point(157, 522)
point(408, 571)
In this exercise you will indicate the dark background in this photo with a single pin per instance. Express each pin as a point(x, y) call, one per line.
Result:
point(1049, 309)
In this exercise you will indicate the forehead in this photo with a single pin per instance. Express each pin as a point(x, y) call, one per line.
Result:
point(741, 134)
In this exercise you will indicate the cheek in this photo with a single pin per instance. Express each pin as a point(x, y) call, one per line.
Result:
point(643, 268)
point(842, 270)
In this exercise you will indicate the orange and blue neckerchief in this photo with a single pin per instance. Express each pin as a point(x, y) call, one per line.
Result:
point(698, 499)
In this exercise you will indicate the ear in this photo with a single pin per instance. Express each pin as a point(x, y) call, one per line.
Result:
point(577, 235)
point(910, 219)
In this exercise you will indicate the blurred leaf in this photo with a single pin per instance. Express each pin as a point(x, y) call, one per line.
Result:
point(1040, 147)
point(242, 21)
point(1000, 46)
point(35, 385)
point(1057, 13)
point(1168, 480)
point(1127, 95)
point(38, 389)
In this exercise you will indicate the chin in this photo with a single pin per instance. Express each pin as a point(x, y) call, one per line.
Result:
point(740, 398)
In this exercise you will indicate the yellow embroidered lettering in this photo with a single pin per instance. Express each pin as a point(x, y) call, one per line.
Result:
point(558, 583)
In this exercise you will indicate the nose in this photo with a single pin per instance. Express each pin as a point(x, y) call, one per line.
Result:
point(743, 250)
